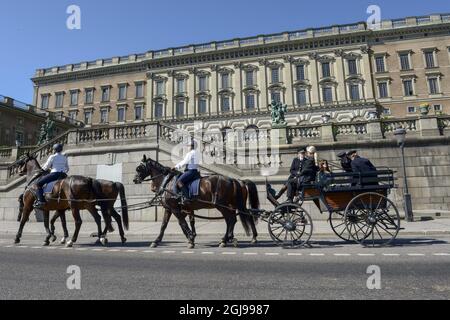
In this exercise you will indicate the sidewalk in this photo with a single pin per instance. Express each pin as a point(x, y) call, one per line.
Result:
point(145, 229)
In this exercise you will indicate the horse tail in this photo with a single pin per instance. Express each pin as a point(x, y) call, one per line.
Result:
point(253, 197)
point(21, 205)
point(241, 207)
point(123, 203)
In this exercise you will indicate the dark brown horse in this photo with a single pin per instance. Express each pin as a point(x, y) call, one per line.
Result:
point(75, 193)
point(106, 192)
point(227, 195)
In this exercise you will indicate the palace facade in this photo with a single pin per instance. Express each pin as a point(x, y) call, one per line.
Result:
point(344, 71)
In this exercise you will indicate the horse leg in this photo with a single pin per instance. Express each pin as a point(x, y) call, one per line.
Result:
point(78, 223)
point(52, 224)
point(62, 215)
point(118, 219)
point(254, 232)
point(224, 241)
point(47, 228)
point(187, 232)
point(233, 221)
point(165, 222)
point(192, 222)
point(27, 209)
point(98, 220)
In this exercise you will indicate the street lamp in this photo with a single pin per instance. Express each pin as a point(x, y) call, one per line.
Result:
point(400, 135)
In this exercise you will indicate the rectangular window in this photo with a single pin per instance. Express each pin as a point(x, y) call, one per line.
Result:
point(121, 114)
point(74, 98)
point(122, 92)
point(139, 90)
point(159, 107)
point(383, 90)
point(437, 108)
point(45, 98)
point(225, 81)
point(138, 112)
point(411, 109)
point(429, 59)
point(88, 117)
point(275, 96)
point(408, 88)
point(250, 101)
point(327, 93)
point(19, 138)
point(202, 105)
point(301, 97)
point(73, 115)
point(433, 85)
point(354, 92)
point(249, 78)
point(275, 75)
point(179, 112)
point(326, 70)
point(89, 96)
point(105, 94)
point(180, 86)
point(225, 103)
point(160, 88)
point(300, 71)
point(386, 111)
point(202, 83)
point(104, 116)
point(352, 67)
point(404, 61)
point(59, 100)
point(380, 65)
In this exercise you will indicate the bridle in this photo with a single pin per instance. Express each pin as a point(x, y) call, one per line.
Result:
point(146, 171)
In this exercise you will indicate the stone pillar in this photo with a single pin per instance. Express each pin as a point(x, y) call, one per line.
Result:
point(288, 80)
point(374, 130)
point(278, 136)
point(327, 134)
point(72, 138)
point(191, 103)
point(238, 105)
point(340, 79)
point(314, 79)
point(149, 114)
point(262, 83)
point(170, 100)
point(14, 153)
point(366, 72)
point(151, 131)
point(428, 126)
point(215, 108)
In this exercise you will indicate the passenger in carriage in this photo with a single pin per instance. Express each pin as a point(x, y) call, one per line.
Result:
point(324, 176)
point(363, 165)
point(346, 162)
point(191, 173)
point(310, 168)
point(292, 182)
point(59, 167)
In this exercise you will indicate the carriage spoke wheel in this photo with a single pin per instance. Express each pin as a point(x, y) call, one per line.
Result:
point(372, 220)
point(290, 226)
point(339, 226)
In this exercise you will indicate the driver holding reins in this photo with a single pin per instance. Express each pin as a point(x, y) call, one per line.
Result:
point(59, 166)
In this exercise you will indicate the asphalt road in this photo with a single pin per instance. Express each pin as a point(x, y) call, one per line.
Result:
point(417, 268)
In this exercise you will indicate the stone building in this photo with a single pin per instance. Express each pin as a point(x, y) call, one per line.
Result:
point(20, 123)
point(345, 71)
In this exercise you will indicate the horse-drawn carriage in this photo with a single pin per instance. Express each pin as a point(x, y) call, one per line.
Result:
point(358, 206)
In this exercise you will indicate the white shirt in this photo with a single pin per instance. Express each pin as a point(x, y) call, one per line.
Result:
point(58, 163)
point(192, 160)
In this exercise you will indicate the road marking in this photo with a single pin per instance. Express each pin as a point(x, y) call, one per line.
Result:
point(65, 248)
point(391, 254)
point(342, 254)
point(81, 249)
point(229, 253)
point(416, 254)
point(9, 246)
point(441, 254)
point(36, 247)
point(114, 250)
point(250, 254)
point(295, 254)
point(23, 247)
point(316, 254)
point(51, 248)
point(272, 254)
point(131, 251)
point(207, 252)
point(168, 252)
point(149, 251)
point(98, 250)
point(187, 252)
point(366, 254)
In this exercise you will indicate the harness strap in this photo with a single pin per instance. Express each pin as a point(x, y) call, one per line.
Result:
point(217, 190)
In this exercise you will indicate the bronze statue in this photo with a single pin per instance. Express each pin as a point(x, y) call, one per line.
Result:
point(278, 110)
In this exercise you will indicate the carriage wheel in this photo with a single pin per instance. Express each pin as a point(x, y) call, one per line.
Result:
point(372, 220)
point(290, 226)
point(339, 226)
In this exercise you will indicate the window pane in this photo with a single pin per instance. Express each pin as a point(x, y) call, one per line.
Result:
point(45, 100)
point(122, 92)
point(301, 97)
point(90, 96)
point(160, 88)
point(404, 61)
point(326, 72)
point(327, 94)
point(202, 104)
point(249, 78)
point(275, 75)
point(432, 82)
point(73, 115)
point(382, 89)
point(380, 64)
point(139, 90)
point(74, 98)
point(225, 103)
point(180, 109)
point(180, 86)
point(88, 117)
point(408, 87)
point(276, 96)
point(121, 115)
point(300, 72)
point(250, 101)
point(104, 116)
point(354, 92)
point(429, 58)
point(159, 110)
point(59, 100)
point(105, 94)
point(138, 112)
point(202, 83)
point(225, 81)
point(352, 67)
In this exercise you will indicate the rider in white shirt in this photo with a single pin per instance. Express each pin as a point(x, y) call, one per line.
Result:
point(191, 162)
point(59, 167)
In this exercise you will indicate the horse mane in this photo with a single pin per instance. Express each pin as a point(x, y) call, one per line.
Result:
point(157, 165)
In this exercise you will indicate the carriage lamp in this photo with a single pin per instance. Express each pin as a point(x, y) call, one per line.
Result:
point(400, 135)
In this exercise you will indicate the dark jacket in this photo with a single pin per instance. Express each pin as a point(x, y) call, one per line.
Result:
point(296, 167)
point(309, 171)
point(362, 165)
point(346, 164)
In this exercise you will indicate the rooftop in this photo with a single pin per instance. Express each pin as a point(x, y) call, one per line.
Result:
point(247, 42)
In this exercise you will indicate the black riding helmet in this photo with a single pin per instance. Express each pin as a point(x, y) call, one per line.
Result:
point(58, 147)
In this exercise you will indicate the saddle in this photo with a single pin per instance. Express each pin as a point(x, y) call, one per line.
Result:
point(193, 186)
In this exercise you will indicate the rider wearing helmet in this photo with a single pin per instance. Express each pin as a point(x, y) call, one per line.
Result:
point(58, 165)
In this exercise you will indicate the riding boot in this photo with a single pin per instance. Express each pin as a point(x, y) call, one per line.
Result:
point(185, 195)
point(40, 201)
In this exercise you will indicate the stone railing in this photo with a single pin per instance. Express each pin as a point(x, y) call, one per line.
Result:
point(389, 126)
point(350, 129)
point(304, 132)
point(6, 153)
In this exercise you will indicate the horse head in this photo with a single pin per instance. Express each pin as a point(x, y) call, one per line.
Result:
point(150, 168)
point(28, 164)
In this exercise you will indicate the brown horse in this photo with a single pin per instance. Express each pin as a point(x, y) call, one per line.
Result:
point(227, 195)
point(105, 191)
point(75, 193)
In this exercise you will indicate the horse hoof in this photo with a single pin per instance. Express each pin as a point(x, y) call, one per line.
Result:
point(46, 244)
point(235, 243)
point(69, 244)
point(254, 241)
point(104, 242)
point(222, 245)
point(54, 238)
point(63, 241)
point(154, 245)
point(191, 246)
point(124, 240)
point(17, 241)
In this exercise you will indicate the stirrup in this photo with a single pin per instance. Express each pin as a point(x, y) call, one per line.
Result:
point(39, 204)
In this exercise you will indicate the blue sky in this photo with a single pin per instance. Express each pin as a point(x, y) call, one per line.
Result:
point(33, 34)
